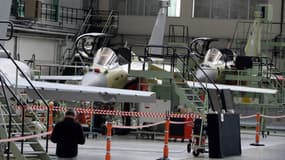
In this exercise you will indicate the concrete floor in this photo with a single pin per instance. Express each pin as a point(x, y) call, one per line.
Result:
point(130, 148)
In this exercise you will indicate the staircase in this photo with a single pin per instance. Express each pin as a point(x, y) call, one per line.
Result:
point(196, 98)
point(95, 21)
point(190, 97)
point(176, 77)
point(12, 125)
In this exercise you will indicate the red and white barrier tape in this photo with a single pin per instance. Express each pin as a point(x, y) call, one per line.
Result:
point(272, 117)
point(185, 122)
point(115, 112)
point(262, 115)
point(245, 117)
point(151, 125)
point(138, 127)
point(90, 110)
point(24, 137)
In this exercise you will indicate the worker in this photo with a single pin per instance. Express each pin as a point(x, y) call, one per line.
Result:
point(67, 134)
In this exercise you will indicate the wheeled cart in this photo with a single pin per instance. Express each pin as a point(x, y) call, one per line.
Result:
point(199, 138)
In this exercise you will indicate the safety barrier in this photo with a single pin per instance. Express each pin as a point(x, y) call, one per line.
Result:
point(24, 137)
point(167, 123)
point(149, 114)
point(166, 138)
point(50, 114)
point(110, 125)
point(257, 128)
point(108, 143)
point(90, 110)
point(257, 131)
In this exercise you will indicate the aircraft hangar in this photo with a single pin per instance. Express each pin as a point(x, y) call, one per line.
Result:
point(147, 79)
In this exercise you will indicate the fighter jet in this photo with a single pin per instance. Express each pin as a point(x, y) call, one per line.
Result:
point(110, 66)
point(18, 75)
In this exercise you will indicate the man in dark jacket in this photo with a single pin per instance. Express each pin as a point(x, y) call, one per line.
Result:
point(67, 134)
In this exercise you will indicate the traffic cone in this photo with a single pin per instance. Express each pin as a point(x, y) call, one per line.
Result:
point(257, 132)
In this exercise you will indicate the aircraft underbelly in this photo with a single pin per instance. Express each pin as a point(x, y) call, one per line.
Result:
point(94, 79)
point(211, 73)
point(117, 79)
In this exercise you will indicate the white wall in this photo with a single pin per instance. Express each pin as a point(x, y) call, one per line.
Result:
point(44, 49)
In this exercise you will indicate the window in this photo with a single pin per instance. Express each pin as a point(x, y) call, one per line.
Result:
point(144, 7)
point(225, 9)
point(135, 7)
point(151, 8)
point(174, 8)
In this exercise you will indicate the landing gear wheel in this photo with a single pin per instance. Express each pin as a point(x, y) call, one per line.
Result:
point(196, 153)
point(189, 147)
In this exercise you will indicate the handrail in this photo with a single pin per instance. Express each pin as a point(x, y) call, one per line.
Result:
point(199, 67)
point(82, 28)
point(9, 111)
point(31, 84)
point(11, 30)
point(174, 56)
point(4, 81)
point(104, 30)
point(84, 23)
point(188, 69)
point(268, 64)
point(106, 27)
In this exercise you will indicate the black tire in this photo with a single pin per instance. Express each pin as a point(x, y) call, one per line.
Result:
point(196, 153)
point(189, 147)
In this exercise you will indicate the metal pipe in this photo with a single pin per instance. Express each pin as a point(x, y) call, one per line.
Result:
point(281, 17)
point(40, 30)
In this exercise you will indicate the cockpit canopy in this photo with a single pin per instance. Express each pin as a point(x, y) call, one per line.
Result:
point(87, 44)
point(213, 56)
point(216, 56)
point(105, 57)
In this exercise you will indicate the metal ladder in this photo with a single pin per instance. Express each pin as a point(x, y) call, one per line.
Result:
point(92, 23)
point(10, 99)
point(28, 149)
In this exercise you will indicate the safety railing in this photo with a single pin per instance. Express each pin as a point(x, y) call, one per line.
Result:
point(11, 26)
point(6, 85)
point(173, 57)
point(25, 78)
point(262, 71)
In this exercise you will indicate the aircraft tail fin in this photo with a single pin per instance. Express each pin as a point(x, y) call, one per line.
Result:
point(157, 34)
point(253, 44)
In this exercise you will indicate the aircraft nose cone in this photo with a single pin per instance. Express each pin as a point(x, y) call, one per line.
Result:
point(211, 73)
point(94, 79)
